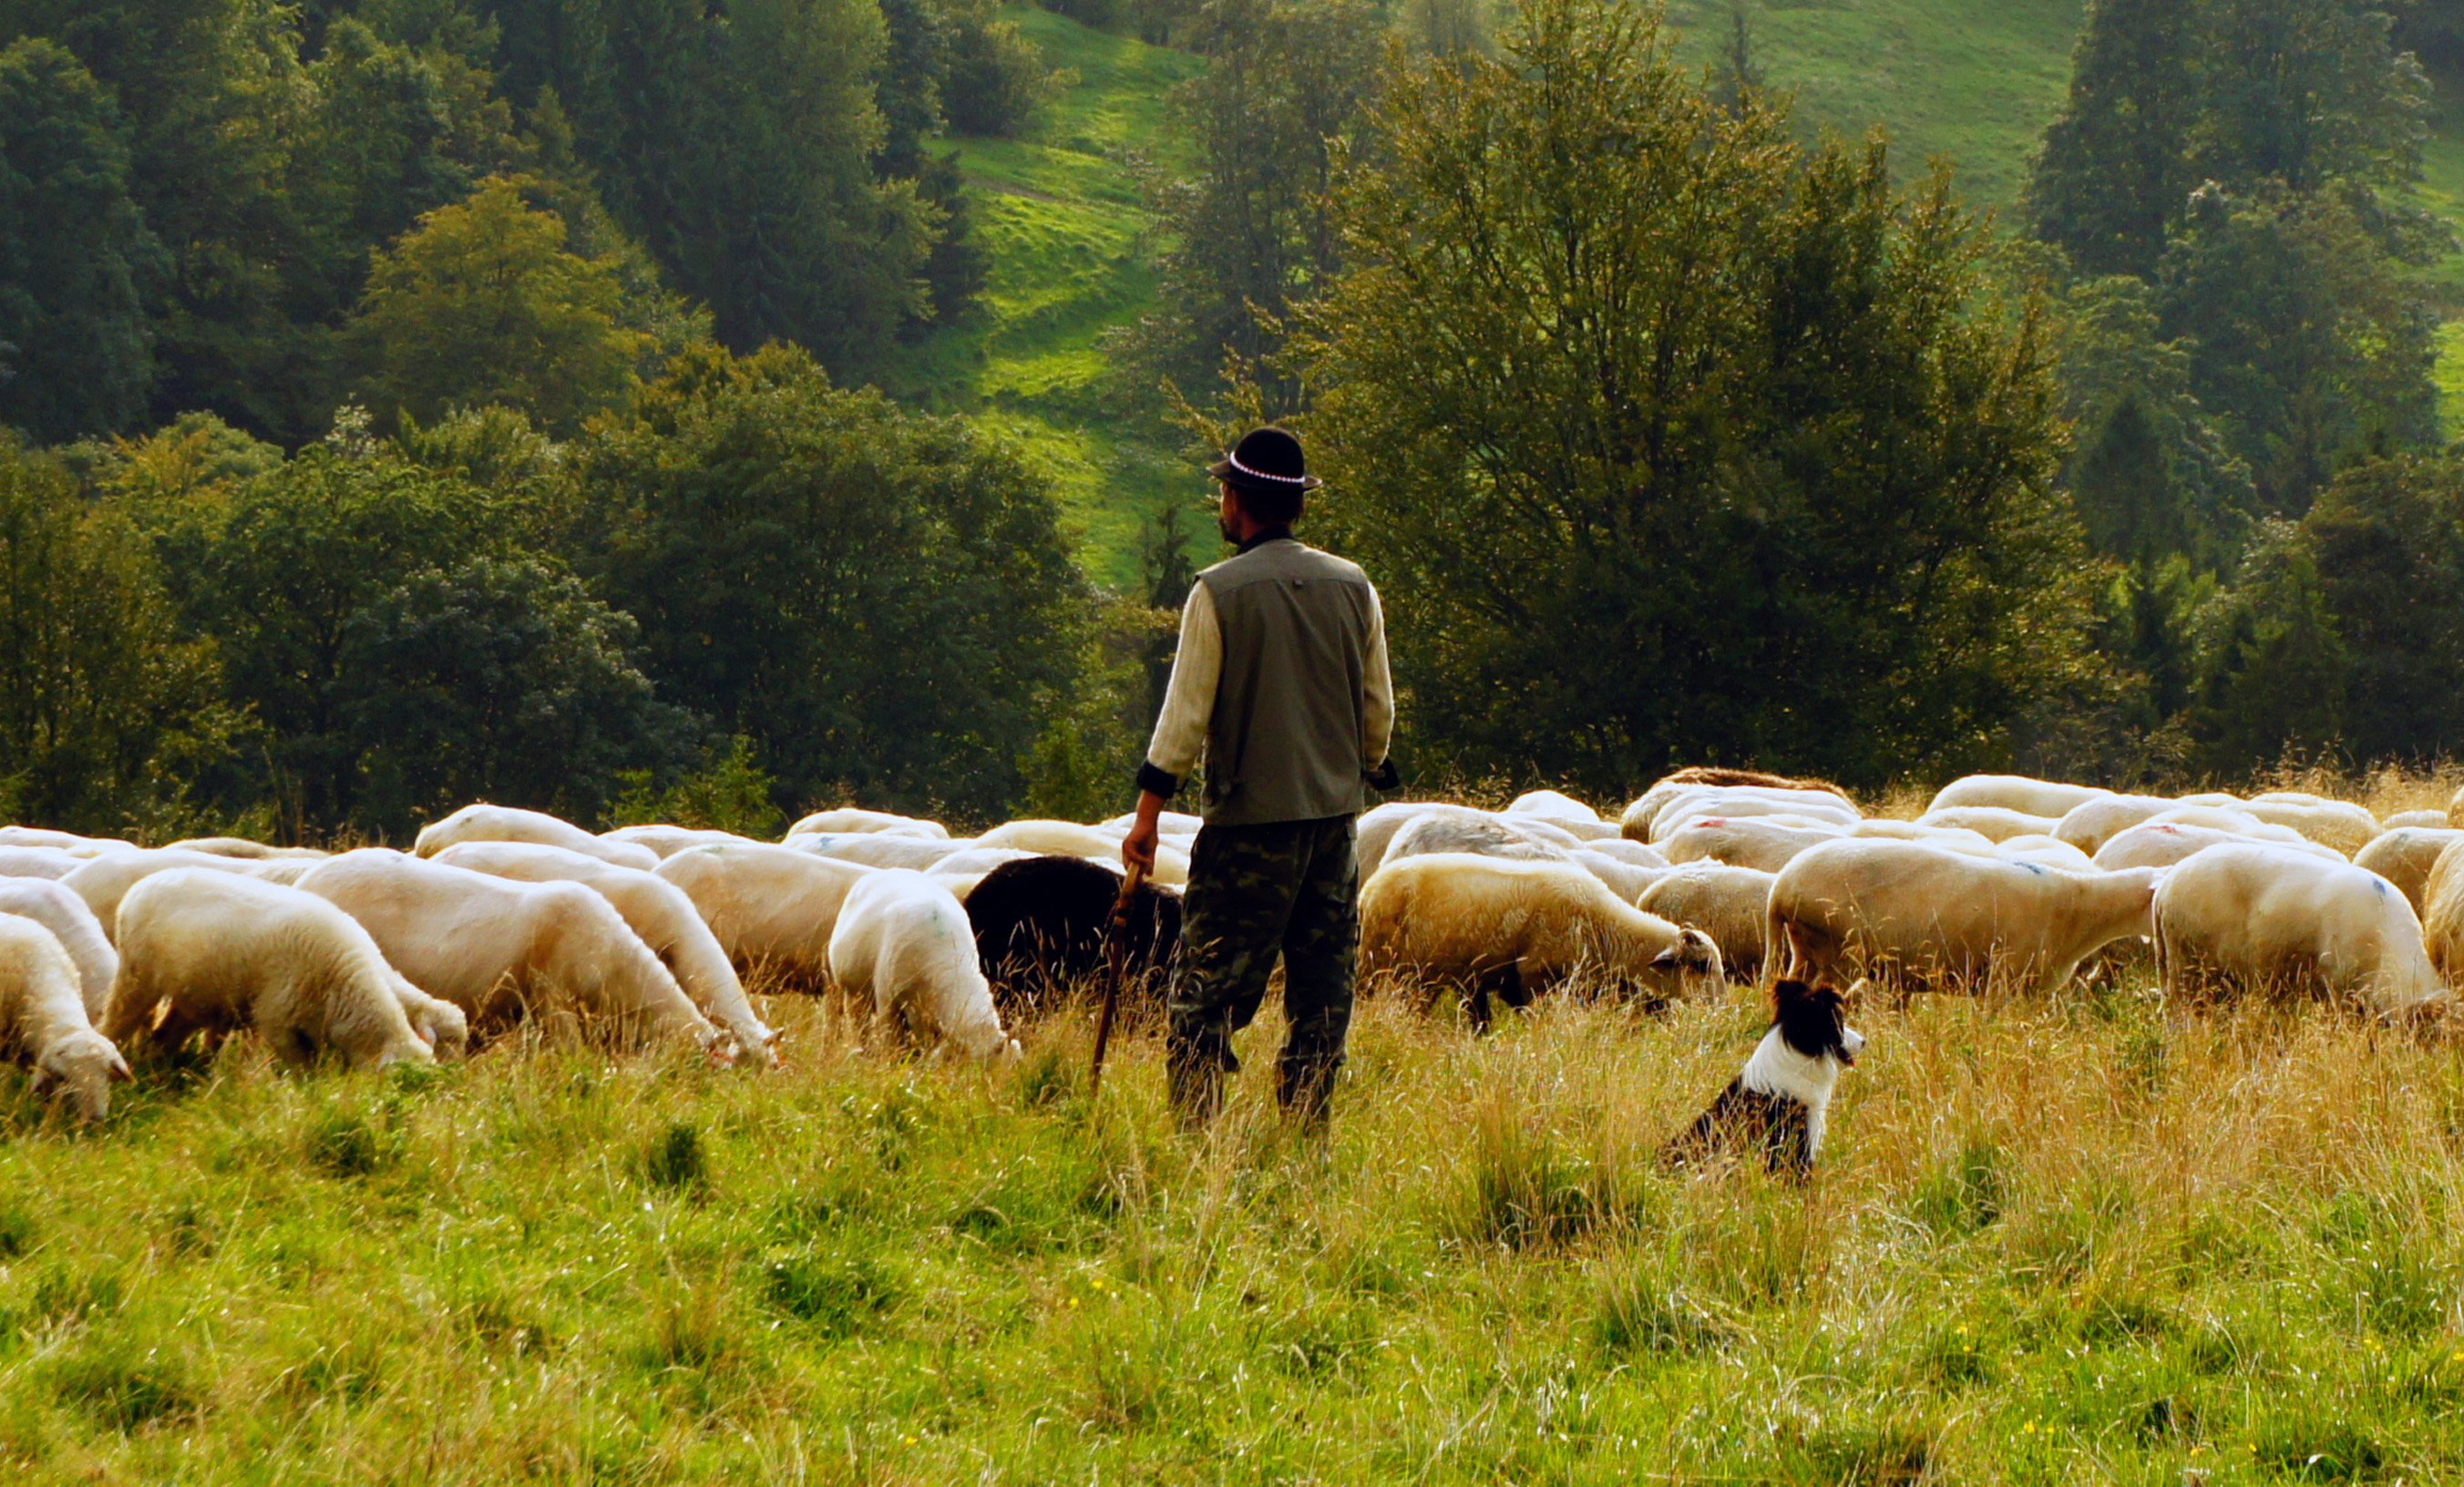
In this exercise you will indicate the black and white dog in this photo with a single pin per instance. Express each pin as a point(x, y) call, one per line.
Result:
point(1780, 1101)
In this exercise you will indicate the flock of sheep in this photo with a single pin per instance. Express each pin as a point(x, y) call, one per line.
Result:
point(645, 935)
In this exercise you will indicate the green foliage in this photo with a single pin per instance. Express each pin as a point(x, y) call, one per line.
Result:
point(483, 304)
point(730, 793)
point(2389, 539)
point(75, 352)
point(1605, 403)
point(104, 697)
point(997, 76)
point(885, 600)
point(2270, 663)
point(2115, 167)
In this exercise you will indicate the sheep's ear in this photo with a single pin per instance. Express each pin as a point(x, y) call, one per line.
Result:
point(42, 1079)
point(1667, 960)
point(119, 1071)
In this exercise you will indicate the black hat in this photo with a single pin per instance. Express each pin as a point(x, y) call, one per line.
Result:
point(1266, 459)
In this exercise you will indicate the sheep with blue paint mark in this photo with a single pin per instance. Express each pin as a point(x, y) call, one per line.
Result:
point(2255, 917)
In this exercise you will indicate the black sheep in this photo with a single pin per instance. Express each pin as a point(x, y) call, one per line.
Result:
point(1040, 923)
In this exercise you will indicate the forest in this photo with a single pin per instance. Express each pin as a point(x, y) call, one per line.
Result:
point(549, 400)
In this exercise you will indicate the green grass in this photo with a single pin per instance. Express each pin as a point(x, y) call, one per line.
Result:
point(2104, 1240)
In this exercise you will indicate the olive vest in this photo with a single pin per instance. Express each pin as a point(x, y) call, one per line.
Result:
point(1285, 739)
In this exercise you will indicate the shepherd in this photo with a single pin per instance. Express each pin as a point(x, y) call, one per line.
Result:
point(1281, 686)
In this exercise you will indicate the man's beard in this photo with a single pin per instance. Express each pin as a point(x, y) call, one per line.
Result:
point(1224, 525)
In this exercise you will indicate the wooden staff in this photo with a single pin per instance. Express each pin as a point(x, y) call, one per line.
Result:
point(1116, 970)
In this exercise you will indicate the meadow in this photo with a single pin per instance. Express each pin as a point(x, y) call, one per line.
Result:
point(2095, 1238)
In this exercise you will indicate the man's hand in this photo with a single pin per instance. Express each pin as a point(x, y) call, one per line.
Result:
point(1139, 847)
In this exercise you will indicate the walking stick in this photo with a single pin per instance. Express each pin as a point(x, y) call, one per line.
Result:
point(1116, 933)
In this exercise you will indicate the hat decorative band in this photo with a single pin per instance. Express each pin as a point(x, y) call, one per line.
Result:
point(1234, 460)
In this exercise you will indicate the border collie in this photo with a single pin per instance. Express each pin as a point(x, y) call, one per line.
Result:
point(1781, 1101)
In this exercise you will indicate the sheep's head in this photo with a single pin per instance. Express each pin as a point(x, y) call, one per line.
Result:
point(445, 1029)
point(1693, 954)
point(83, 1065)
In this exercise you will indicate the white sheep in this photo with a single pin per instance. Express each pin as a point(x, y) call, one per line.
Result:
point(1923, 915)
point(848, 818)
point(1992, 823)
point(903, 943)
point(48, 862)
point(61, 911)
point(772, 908)
point(2161, 844)
point(102, 882)
point(2049, 799)
point(242, 846)
point(1476, 832)
point(2092, 823)
point(1740, 804)
point(2230, 818)
point(43, 1021)
point(1623, 879)
point(2435, 821)
point(1638, 818)
point(2442, 913)
point(502, 951)
point(667, 841)
point(658, 911)
point(481, 821)
point(2266, 918)
point(2404, 856)
point(1490, 927)
point(216, 952)
point(62, 841)
point(1731, 905)
point(1764, 842)
point(1556, 806)
point(2045, 850)
point(2337, 823)
point(883, 850)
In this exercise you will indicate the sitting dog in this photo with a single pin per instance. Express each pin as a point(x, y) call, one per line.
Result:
point(1782, 1099)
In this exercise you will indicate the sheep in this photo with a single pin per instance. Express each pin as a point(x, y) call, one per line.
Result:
point(881, 850)
point(1925, 916)
point(1462, 829)
point(1494, 928)
point(2337, 823)
point(2092, 823)
point(1739, 804)
point(2455, 810)
point(657, 910)
point(47, 863)
point(903, 942)
point(974, 861)
point(43, 1021)
point(104, 881)
point(444, 1027)
point(1992, 823)
point(2161, 844)
point(1068, 838)
point(667, 841)
point(848, 818)
point(1959, 838)
point(210, 952)
point(62, 841)
point(2405, 855)
point(2433, 820)
point(1636, 819)
point(2259, 916)
point(2044, 850)
point(1632, 853)
point(1039, 926)
point(2231, 818)
point(61, 911)
point(2044, 798)
point(1729, 903)
point(503, 950)
point(1780, 1101)
point(242, 846)
point(772, 908)
point(2442, 913)
point(1563, 812)
point(1765, 842)
point(1623, 879)
point(481, 821)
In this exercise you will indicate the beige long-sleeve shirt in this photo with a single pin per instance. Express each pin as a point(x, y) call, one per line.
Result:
point(1179, 741)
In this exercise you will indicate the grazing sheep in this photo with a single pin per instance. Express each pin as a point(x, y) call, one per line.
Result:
point(503, 950)
point(1780, 1102)
point(903, 942)
point(2092, 823)
point(1925, 916)
point(1632, 853)
point(1477, 832)
point(1053, 839)
point(2161, 844)
point(2230, 818)
point(2264, 918)
point(2044, 798)
point(848, 818)
point(2337, 823)
point(1171, 823)
point(241, 847)
point(444, 1027)
point(1765, 842)
point(2442, 913)
point(64, 841)
point(2045, 850)
point(2435, 821)
point(1731, 905)
point(976, 862)
point(1623, 879)
point(214, 952)
point(881, 848)
point(1992, 823)
point(1744, 804)
point(1493, 928)
point(481, 821)
point(1958, 838)
point(657, 910)
point(1555, 805)
point(48, 862)
point(58, 909)
point(1636, 819)
point(104, 881)
point(2405, 855)
point(43, 1021)
point(772, 908)
point(1376, 829)
point(1039, 927)
point(666, 842)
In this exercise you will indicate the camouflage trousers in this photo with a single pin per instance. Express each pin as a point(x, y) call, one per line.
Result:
point(1289, 889)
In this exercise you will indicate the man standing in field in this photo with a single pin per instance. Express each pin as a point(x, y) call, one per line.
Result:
point(1281, 686)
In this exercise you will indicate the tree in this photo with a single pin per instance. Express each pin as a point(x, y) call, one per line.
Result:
point(1671, 441)
point(883, 603)
point(482, 303)
point(2389, 541)
point(1737, 75)
point(500, 679)
point(105, 700)
point(75, 351)
point(2114, 173)
point(2306, 92)
point(2271, 665)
